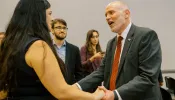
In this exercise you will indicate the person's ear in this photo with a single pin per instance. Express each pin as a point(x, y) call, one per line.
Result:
point(127, 13)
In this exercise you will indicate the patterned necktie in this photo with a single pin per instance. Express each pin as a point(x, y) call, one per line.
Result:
point(115, 64)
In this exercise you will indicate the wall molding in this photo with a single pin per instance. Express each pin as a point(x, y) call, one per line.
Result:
point(167, 71)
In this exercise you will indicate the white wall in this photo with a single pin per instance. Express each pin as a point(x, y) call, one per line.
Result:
point(82, 15)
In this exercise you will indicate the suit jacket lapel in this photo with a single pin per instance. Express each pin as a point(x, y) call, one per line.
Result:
point(114, 43)
point(67, 53)
point(127, 44)
point(111, 52)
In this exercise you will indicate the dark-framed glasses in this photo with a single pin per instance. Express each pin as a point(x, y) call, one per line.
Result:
point(61, 28)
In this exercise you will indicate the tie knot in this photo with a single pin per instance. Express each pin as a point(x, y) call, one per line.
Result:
point(120, 38)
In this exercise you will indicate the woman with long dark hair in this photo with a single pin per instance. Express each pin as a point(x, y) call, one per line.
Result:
point(91, 53)
point(29, 66)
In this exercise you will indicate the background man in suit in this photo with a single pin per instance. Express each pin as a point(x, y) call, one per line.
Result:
point(68, 52)
point(132, 61)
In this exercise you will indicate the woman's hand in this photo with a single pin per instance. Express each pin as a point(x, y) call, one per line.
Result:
point(97, 55)
point(99, 94)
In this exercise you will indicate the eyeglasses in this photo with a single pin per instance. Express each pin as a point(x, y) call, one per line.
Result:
point(61, 28)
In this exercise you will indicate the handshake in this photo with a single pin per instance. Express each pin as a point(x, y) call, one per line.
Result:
point(103, 94)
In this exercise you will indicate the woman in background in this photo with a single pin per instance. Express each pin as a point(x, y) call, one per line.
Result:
point(29, 66)
point(91, 53)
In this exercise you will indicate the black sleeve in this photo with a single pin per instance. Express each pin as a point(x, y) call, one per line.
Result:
point(78, 66)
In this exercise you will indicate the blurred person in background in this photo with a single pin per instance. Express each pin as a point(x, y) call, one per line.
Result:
point(68, 52)
point(91, 53)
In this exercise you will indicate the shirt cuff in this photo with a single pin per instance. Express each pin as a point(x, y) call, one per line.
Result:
point(78, 86)
point(119, 97)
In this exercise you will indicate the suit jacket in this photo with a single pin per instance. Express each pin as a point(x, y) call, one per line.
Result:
point(138, 69)
point(73, 64)
point(160, 78)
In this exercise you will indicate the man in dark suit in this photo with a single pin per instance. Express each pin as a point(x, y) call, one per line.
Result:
point(68, 52)
point(132, 61)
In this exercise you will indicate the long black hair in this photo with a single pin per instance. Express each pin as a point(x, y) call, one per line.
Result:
point(29, 18)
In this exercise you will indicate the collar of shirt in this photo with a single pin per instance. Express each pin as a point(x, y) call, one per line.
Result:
point(125, 32)
point(124, 35)
point(63, 45)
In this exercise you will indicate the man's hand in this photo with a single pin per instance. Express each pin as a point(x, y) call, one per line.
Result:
point(99, 94)
point(109, 95)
